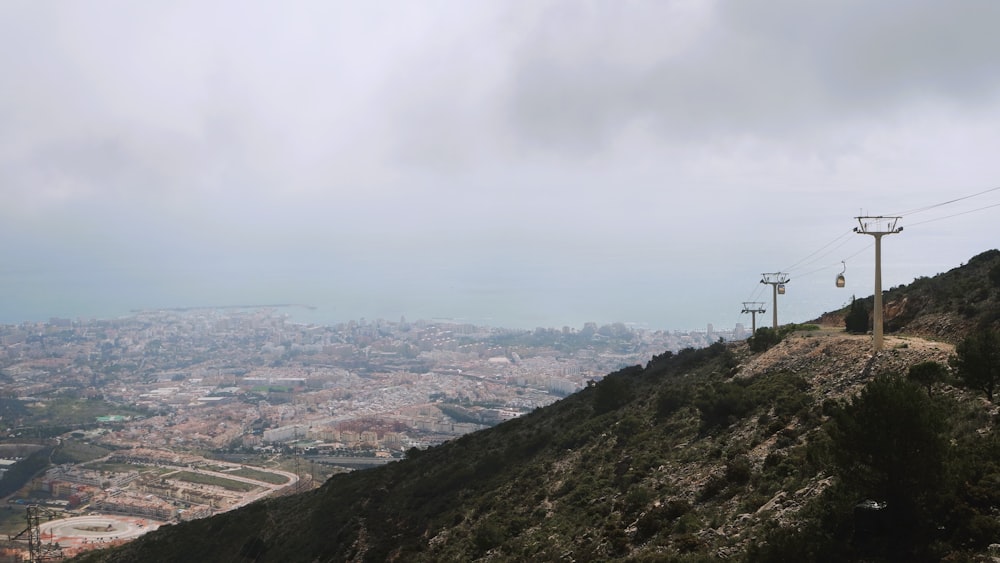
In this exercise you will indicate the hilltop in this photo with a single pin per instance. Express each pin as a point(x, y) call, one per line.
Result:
point(728, 452)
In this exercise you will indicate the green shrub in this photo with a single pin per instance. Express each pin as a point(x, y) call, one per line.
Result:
point(763, 339)
point(738, 470)
point(927, 374)
point(977, 361)
point(723, 404)
point(671, 399)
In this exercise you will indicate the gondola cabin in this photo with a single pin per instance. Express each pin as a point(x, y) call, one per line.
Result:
point(781, 289)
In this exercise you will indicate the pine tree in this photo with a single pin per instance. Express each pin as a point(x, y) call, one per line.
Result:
point(857, 320)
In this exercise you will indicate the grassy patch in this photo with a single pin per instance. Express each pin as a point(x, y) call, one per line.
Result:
point(258, 475)
point(12, 520)
point(70, 411)
point(71, 451)
point(203, 479)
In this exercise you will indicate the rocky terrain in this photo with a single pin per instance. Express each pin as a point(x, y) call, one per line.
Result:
point(837, 364)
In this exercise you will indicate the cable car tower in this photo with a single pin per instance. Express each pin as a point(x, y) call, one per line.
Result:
point(753, 307)
point(777, 281)
point(877, 227)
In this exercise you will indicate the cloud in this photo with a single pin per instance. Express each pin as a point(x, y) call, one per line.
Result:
point(465, 148)
point(777, 70)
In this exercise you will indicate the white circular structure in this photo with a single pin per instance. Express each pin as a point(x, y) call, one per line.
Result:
point(96, 528)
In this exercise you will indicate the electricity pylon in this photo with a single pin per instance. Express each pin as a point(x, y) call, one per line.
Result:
point(37, 549)
point(753, 307)
point(877, 227)
point(777, 281)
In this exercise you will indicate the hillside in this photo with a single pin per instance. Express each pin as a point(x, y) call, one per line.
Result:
point(718, 453)
point(942, 307)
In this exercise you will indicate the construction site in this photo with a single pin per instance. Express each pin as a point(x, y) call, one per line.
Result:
point(75, 508)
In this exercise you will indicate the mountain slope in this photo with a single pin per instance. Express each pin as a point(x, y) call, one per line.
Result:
point(942, 307)
point(704, 454)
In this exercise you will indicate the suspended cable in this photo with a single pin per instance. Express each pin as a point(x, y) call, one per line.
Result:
point(805, 261)
point(869, 245)
point(828, 266)
point(827, 253)
point(758, 288)
point(844, 238)
point(929, 207)
point(954, 215)
point(817, 250)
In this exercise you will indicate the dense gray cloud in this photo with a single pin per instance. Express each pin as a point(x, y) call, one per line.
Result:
point(773, 69)
point(529, 162)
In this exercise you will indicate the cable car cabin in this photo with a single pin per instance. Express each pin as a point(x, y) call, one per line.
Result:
point(841, 282)
point(781, 289)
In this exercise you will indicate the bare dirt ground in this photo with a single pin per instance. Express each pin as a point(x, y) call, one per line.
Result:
point(839, 364)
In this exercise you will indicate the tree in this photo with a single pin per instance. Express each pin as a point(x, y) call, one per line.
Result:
point(889, 446)
point(926, 374)
point(977, 361)
point(857, 319)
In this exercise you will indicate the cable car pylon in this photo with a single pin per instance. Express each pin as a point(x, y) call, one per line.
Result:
point(777, 281)
point(753, 307)
point(877, 226)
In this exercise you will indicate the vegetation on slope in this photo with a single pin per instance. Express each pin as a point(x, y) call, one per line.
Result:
point(724, 452)
point(681, 461)
point(946, 306)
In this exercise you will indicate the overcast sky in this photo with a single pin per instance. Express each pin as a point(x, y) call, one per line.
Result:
point(515, 163)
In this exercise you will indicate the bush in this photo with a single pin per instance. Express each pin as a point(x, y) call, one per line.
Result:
point(763, 339)
point(488, 535)
point(671, 399)
point(977, 361)
point(738, 471)
point(723, 404)
point(926, 374)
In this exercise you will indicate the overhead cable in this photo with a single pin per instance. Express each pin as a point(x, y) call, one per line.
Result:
point(953, 215)
point(929, 207)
